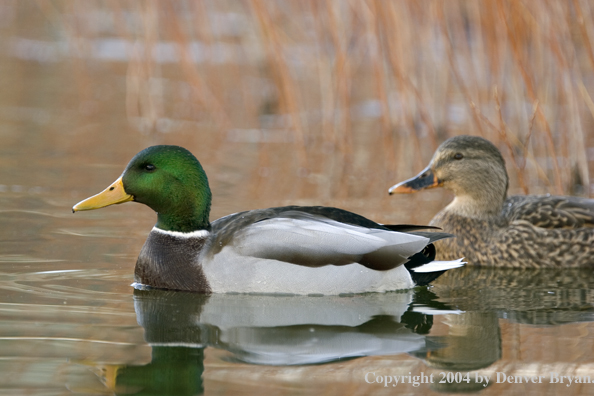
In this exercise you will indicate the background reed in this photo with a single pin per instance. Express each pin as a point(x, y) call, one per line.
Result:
point(338, 100)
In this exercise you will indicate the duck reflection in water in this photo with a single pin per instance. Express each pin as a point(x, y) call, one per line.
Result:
point(301, 330)
point(284, 330)
point(278, 331)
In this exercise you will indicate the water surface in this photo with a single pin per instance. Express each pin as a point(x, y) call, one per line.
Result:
point(70, 323)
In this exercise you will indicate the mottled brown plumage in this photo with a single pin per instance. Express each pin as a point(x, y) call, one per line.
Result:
point(493, 230)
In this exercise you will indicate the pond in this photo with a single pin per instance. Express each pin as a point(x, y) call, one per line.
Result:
point(70, 321)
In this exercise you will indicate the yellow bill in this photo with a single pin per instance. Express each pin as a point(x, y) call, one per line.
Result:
point(114, 194)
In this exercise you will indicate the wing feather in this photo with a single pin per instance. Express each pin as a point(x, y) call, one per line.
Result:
point(315, 241)
point(551, 212)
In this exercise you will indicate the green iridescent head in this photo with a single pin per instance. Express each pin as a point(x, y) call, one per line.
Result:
point(169, 180)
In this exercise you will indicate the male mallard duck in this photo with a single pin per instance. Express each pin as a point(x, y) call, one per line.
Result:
point(292, 249)
point(491, 229)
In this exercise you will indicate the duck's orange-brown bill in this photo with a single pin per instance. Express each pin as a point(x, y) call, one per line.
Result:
point(114, 194)
point(424, 180)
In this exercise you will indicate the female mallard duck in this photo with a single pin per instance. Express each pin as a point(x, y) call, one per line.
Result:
point(491, 229)
point(289, 250)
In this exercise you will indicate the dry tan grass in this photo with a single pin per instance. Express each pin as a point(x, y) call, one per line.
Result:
point(516, 72)
point(344, 98)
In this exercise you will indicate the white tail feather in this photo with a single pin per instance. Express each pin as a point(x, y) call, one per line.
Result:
point(434, 311)
point(435, 266)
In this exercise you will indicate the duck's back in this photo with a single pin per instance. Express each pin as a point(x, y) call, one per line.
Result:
point(318, 250)
point(307, 250)
point(531, 231)
point(549, 211)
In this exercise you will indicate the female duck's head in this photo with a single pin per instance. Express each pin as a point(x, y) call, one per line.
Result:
point(471, 167)
point(169, 180)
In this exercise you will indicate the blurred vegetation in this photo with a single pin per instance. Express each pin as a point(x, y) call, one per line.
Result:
point(341, 99)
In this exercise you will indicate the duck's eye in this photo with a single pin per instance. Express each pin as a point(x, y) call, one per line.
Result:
point(458, 156)
point(149, 167)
